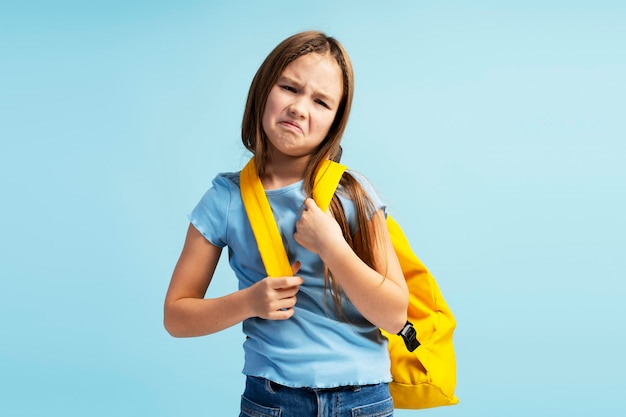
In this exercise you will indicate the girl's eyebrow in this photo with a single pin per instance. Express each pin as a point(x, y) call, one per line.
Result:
point(321, 94)
point(285, 78)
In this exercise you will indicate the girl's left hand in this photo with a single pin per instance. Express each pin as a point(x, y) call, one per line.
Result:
point(316, 230)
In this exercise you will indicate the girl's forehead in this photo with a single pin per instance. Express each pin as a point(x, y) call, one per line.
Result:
point(319, 70)
point(312, 59)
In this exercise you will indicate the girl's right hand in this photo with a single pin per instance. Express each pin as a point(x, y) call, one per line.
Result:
point(274, 298)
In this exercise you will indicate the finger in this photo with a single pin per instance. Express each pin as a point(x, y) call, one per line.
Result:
point(294, 282)
point(310, 204)
point(295, 267)
point(287, 293)
point(281, 314)
point(287, 302)
point(285, 282)
point(296, 236)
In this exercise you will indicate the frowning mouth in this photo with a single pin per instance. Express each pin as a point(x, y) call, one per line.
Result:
point(291, 125)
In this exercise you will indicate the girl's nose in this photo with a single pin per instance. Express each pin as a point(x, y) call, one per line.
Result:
point(296, 109)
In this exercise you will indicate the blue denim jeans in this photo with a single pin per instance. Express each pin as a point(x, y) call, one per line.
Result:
point(264, 398)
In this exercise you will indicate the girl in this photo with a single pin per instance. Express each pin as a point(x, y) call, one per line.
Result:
point(304, 355)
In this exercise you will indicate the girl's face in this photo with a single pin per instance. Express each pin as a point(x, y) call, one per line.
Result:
point(302, 105)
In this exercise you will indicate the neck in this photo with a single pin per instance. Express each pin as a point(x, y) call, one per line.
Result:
point(283, 171)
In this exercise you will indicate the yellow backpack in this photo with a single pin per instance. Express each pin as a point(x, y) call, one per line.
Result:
point(424, 371)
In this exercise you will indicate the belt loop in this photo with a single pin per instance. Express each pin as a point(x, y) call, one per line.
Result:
point(269, 386)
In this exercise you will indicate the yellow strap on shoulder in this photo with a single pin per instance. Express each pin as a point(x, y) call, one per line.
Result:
point(263, 224)
point(262, 220)
point(327, 179)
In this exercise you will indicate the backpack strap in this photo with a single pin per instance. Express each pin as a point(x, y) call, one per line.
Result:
point(326, 181)
point(262, 220)
point(263, 224)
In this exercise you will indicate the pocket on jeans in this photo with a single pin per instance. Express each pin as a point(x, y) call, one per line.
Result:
point(380, 409)
point(252, 409)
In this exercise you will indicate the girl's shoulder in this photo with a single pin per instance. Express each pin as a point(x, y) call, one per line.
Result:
point(223, 189)
point(226, 181)
point(360, 177)
point(364, 182)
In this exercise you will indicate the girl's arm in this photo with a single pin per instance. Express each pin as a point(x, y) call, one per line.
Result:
point(381, 294)
point(188, 313)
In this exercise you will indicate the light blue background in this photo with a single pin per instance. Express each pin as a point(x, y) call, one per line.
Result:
point(495, 130)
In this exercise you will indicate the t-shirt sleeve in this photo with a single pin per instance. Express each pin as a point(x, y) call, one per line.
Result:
point(210, 216)
point(348, 205)
point(370, 190)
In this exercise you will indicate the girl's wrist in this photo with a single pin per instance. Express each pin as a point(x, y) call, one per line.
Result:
point(246, 303)
point(333, 250)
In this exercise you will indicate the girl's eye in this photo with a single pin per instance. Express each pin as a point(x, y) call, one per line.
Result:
point(288, 88)
point(322, 103)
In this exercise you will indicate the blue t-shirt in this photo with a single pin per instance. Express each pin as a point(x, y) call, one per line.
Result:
point(314, 348)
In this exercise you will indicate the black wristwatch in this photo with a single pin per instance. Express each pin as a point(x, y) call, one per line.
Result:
point(409, 336)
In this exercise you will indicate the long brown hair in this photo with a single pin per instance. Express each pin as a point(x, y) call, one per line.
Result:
point(255, 139)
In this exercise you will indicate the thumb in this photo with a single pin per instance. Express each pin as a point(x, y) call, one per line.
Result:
point(295, 267)
point(310, 204)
